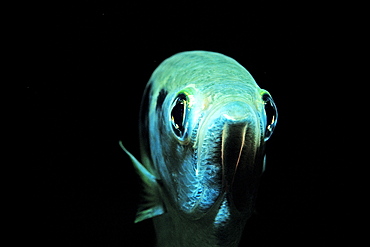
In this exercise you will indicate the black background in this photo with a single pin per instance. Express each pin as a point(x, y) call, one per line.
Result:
point(88, 65)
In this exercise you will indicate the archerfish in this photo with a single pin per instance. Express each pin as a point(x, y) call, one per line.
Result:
point(203, 127)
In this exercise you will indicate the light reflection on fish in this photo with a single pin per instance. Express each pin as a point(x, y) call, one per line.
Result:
point(203, 126)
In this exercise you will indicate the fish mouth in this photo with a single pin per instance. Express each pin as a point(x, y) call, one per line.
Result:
point(239, 151)
point(233, 141)
point(226, 155)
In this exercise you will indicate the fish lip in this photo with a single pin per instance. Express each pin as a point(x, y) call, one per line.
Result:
point(233, 142)
point(241, 138)
point(236, 162)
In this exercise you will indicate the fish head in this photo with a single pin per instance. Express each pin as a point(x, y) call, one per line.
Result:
point(207, 139)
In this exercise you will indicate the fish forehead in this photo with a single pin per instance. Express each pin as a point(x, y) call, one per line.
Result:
point(208, 72)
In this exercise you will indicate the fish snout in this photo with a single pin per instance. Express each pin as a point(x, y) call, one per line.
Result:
point(236, 112)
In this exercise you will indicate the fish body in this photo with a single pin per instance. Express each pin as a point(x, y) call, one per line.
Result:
point(203, 126)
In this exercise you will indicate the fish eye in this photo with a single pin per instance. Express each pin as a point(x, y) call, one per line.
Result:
point(271, 115)
point(178, 115)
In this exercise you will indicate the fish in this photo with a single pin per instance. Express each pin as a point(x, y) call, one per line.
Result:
point(203, 127)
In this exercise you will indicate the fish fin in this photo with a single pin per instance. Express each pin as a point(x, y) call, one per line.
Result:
point(152, 206)
point(149, 213)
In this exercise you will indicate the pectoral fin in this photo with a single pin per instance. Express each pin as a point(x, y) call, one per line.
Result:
point(152, 205)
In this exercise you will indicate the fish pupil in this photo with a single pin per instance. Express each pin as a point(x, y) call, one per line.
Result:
point(178, 115)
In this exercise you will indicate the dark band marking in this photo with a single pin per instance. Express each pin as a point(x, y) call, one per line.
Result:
point(161, 97)
point(144, 119)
